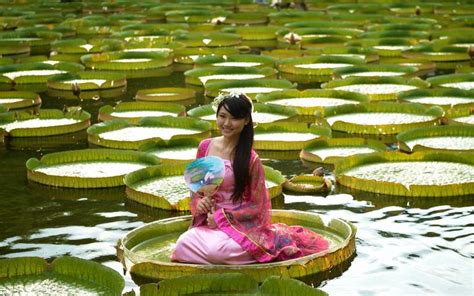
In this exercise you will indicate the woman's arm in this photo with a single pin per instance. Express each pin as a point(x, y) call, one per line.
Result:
point(256, 199)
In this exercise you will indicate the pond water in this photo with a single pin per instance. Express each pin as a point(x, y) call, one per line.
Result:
point(410, 247)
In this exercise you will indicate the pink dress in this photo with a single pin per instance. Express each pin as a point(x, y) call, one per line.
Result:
point(244, 233)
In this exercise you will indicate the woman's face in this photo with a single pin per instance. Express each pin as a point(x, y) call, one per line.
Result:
point(228, 125)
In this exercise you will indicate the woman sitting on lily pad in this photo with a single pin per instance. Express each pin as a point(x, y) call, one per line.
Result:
point(233, 225)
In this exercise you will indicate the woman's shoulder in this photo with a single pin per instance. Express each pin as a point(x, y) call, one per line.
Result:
point(203, 146)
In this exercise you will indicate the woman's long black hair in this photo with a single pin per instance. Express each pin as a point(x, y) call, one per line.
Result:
point(240, 106)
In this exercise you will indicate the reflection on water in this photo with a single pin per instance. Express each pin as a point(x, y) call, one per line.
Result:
point(404, 246)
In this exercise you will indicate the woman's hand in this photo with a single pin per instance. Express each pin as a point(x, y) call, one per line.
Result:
point(205, 205)
point(211, 223)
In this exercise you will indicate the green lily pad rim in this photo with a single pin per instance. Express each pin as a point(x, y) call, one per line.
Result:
point(194, 74)
point(177, 94)
point(90, 154)
point(28, 99)
point(133, 106)
point(437, 80)
point(369, 68)
point(368, 42)
point(73, 267)
point(321, 59)
point(407, 96)
point(103, 61)
point(377, 80)
point(238, 283)
point(273, 127)
point(178, 143)
point(392, 188)
point(412, 108)
point(329, 93)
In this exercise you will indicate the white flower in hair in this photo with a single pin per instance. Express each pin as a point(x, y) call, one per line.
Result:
point(233, 94)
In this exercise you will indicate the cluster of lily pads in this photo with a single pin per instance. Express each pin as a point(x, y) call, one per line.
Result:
point(338, 85)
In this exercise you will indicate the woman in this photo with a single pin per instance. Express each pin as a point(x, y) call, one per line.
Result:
point(233, 226)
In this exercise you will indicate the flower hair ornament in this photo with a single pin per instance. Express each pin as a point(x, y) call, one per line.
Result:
point(230, 95)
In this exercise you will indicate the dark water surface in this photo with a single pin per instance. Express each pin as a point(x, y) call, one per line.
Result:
point(404, 247)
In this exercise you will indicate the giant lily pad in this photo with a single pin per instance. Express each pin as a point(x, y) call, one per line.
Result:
point(367, 54)
point(19, 99)
point(287, 136)
point(377, 88)
point(172, 151)
point(421, 174)
point(127, 60)
point(229, 283)
point(123, 135)
point(87, 81)
point(444, 97)
point(381, 118)
point(134, 111)
point(11, 48)
point(376, 71)
point(165, 94)
point(250, 87)
point(35, 72)
point(145, 251)
point(88, 168)
point(201, 76)
point(322, 65)
point(386, 46)
point(191, 15)
point(309, 101)
point(449, 137)
point(263, 113)
point(72, 49)
point(254, 32)
point(442, 54)
point(329, 151)
point(189, 55)
point(63, 276)
point(46, 122)
point(207, 40)
point(247, 60)
point(463, 81)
